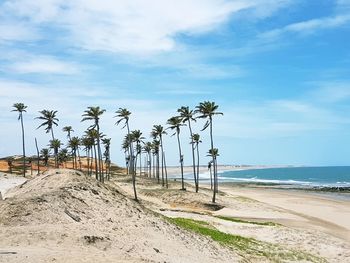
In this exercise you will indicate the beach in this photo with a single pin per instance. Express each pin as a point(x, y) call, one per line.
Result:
point(36, 221)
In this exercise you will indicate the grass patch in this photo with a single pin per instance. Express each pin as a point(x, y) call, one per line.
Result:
point(248, 248)
point(237, 220)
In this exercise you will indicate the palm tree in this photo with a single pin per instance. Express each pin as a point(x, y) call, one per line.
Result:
point(88, 143)
point(45, 155)
point(147, 148)
point(92, 135)
point(74, 143)
point(107, 144)
point(126, 149)
point(63, 156)
point(214, 153)
point(138, 139)
point(186, 116)
point(158, 132)
point(55, 144)
point(207, 110)
point(175, 124)
point(156, 146)
point(195, 141)
point(20, 108)
point(94, 113)
point(124, 115)
point(49, 118)
point(68, 130)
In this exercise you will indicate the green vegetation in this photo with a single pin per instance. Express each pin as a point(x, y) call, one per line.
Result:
point(247, 247)
point(237, 220)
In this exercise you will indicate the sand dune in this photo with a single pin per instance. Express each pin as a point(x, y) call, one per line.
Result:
point(63, 216)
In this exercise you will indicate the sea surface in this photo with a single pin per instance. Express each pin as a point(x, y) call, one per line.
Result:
point(333, 176)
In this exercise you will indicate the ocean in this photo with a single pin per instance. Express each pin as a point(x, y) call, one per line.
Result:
point(333, 176)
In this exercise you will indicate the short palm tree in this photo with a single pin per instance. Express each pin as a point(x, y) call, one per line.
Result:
point(92, 135)
point(55, 144)
point(126, 149)
point(137, 138)
point(208, 110)
point(107, 154)
point(45, 155)
point(74, 144)
point(195, 141)
point(156, 146)
point(20, 108)
point(49, 118)
point(187, 116)
point(88, 143)
point(68, 130)
point(63, 156)
point(147, 148)
point(174, 124)
point(157, 132)
point(123, 115)
point(214, 153)
point(94, 114)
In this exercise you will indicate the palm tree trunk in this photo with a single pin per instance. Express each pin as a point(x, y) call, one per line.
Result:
point(99, 154)
point(53, 137)
point(161, 147)
point(79, 160)
point(158, 167)
point(96, 168)
point(211, 179)
point(23, 147)
point(140, 164)
point(212, 152)
point(38, 156)
point(154, 166)
point(193, 158)
point(166, 173)
point(181, 162)
point(131, 161)
point(197, 185)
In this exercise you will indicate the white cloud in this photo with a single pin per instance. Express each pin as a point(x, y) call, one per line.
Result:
point(17, 32)
point(43, 64)
point(307, 27)
point(136, 27)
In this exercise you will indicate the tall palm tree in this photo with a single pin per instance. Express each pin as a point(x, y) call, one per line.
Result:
point(49, 118)
point(124, 115)
point(195, 141)
point(107, 144)
point(174, 124)
point(55, 144)
point(94, 114)
point(208, 110)
point(68, 130)
point(158, 132)
point(20, 108)
point(147, 148)
point(187, 116)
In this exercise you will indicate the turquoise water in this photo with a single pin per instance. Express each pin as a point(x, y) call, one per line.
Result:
point(301, 176)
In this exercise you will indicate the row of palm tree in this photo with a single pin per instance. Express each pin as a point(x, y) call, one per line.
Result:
point(133, 143)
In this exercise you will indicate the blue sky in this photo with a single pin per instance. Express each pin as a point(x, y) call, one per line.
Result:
point(279, 69)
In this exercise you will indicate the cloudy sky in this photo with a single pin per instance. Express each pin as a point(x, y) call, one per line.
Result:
point(279, 69)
